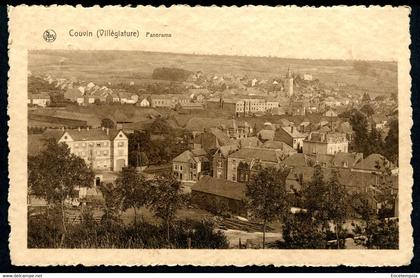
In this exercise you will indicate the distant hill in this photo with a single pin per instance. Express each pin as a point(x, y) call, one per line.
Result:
point(138, 66)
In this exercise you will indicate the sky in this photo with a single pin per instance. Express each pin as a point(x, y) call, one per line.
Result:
point(359, 33)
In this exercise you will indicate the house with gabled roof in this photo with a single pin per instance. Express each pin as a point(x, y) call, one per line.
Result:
point(102, 149)
point(42, 99)
point(213, 194)
point(220, 160)
point(244, 162)
point(291, 136)
point(187, 166)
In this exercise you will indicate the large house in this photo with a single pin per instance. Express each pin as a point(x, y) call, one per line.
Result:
point(188, 166)
point(291, 136)
point(102, 149)
point(325, 143)
point(242, 163)
point(220, 161)
point(41, 99)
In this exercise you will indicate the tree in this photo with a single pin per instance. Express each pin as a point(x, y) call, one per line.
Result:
point(367, 110)
point(161, 126)
point(55, 173)
point(132, 190)
point(375, 144)
point(391, 141)
point(266, 195)
point(383, 234)
point(301, 232)
point(336, 204)
point(107, 123)
point(361, 205)
point(314, 197)
point(167, 198)
point(359, 125)
point(110, 217)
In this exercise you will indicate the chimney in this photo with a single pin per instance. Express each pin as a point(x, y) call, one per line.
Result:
point(87, 128)
point(291, 129)
point(107, 131)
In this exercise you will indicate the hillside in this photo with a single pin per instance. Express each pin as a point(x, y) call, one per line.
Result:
point(125, 66)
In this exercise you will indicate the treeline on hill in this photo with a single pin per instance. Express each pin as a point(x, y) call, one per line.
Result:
point(37, 85)
point(171, 74)
point(54, 175)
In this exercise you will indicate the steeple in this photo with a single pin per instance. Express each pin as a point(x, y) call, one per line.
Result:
point(289, 82)
point(288, 75)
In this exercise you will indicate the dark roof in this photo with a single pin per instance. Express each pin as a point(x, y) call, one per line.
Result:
point(351, 180)
point(92, 134)
point(249, 142)
point(278, 145)
point(226, 150)
point(185, 157)
point(350, 158)
point(220, 187)
point(293, 132)
point(262, 154)
point(374, 162)
point(296, 160)
point(221, 137)
point(41, 95)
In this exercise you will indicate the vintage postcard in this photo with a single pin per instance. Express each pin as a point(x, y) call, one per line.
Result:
point(210, 136)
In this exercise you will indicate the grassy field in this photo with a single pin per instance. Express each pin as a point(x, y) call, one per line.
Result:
point(126, 66)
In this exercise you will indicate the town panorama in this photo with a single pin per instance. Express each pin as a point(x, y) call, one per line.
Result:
point(130, 149)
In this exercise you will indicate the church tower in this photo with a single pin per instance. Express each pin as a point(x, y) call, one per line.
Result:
point(289, 83)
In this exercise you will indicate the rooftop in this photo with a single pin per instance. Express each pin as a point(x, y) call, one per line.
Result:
point(92, 134)
point(263, 154)
point(293, 132)
point(220, 187)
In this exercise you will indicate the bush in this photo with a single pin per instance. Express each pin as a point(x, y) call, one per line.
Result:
point(44, 231)
point(300, 232)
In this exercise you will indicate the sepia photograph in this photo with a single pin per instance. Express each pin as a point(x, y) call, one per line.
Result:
point(249, 136)
point(135, 149)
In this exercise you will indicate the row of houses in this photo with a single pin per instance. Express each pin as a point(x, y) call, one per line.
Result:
point(361, 175)
point(221, 141)
point(101, 95)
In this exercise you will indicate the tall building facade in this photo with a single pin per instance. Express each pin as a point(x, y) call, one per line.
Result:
point(102, 149)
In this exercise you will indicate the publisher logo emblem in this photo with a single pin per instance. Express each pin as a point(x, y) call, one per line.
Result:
point(49, 35)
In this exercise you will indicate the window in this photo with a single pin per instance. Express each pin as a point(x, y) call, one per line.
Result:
point(176, 167)
point(83, 144)
point(234, 177)
point(219, 163)
point(98, 144)
point(65, 137)
point(90, 144)
point(120, 144)
point(76, 145)
point(105, 144)
point(120, 152)
point(105, 152)
point(180, 167)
